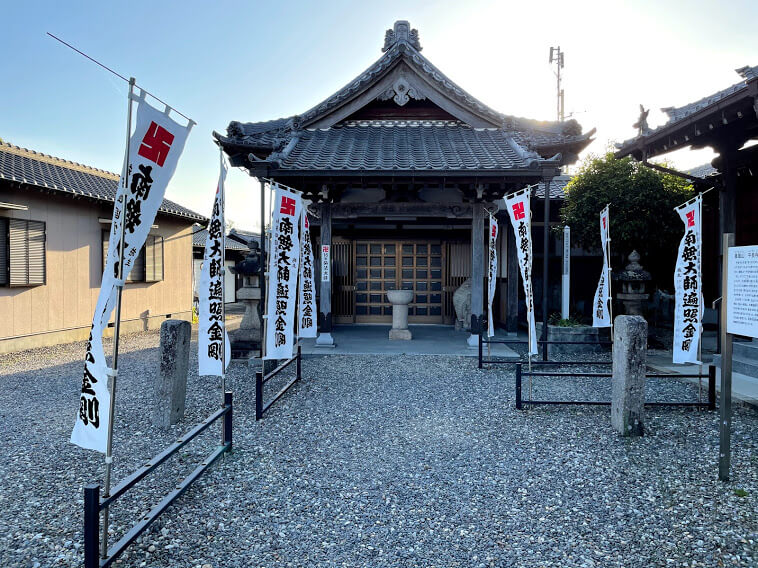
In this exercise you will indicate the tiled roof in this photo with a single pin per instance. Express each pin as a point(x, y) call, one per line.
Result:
point(405, 145)
point(678, 114)
point(200, 235)
point(557, 186)
point(248, 236)
point(40, 170)
point(703, 171)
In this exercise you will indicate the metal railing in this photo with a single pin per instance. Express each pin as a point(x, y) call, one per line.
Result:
point(94, 504)
point(520, 374)
point(261, 379)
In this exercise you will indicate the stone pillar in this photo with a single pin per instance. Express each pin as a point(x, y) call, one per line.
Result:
point(477, 273)
point(628, 383)
point(170, 387)
point(511, 317)
point(324, 338)
point(400, 300)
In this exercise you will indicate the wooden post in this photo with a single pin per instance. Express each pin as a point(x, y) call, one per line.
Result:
point(324, 338)
point(725, 409)
point(477, 273)
point(545, 259)
point(511, 318)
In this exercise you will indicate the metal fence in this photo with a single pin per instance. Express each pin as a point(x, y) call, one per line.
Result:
point(261, 379)
point(521, 374)
point(490, 361)
point(94, 504)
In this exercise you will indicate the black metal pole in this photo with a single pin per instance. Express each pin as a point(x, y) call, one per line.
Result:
point(518, 386)
point(228, 401)
point(92, 525)
point(262, 270)
point(258, 395)
point(299, 362)
point(712, 387)
point(481, 343)
point(545, 251)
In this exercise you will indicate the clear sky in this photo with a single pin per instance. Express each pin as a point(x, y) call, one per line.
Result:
point(253, 61)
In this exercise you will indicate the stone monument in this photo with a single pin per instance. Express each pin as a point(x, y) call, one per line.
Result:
point(400, 300)
point(633, 281)
point(247, 337)
point(170, 387)
point(462, 305)
point(628, 382)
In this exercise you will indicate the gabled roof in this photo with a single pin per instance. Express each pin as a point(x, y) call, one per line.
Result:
point(70, 178)
point(399, 76)
point(696, 123)
point(200, 234)
point(557, 187)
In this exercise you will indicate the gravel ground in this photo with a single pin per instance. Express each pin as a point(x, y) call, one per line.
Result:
point(380, 461)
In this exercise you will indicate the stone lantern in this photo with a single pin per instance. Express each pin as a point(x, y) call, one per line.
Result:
point(248, 337)
point(633, 280)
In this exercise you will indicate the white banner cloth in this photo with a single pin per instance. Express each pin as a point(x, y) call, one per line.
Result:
point(211, 325)
point(688, 309)
point(601, 313)
point(155, 147)
point(306, 308)
point(283, 271)
point(492, 275)
point(520, 212)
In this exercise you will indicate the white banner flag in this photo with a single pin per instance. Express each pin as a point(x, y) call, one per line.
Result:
point(688, 310)
point(306, 308)
point(520, 212)
point(155, 147)
point(211, 325)
point(283, 271)
point(601, 314)
point(492, 275)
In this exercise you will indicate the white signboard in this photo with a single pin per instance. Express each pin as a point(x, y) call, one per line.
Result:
point(688, 310)
point(154, 150)
point(520, 213)
point(325, 263)
point(742, 291)
point(284, 264)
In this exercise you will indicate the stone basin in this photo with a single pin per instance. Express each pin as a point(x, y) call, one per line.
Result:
point(400, 296)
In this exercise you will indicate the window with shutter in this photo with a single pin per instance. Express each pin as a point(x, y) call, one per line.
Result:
point(3, 252)
point(26, 251)
point(154, 258)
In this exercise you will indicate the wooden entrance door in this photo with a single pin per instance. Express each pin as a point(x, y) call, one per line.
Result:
point(410, 265)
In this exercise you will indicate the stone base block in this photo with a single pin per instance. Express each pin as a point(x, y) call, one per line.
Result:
point(325, 340)
point(404, 334)
point(473, 341)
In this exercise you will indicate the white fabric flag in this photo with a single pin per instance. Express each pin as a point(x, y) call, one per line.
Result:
point(688, 310)
point(211, 324)
point(492, 275)
point(519, 210)
point(306, 308)
point(283, 271)
point(155, 147)
point(601, 314)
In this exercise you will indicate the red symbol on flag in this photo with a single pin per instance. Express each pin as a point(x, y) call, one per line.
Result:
point(518, 211)
point(288, 206)
point(156, 144)
point(494, 230)
point(690, 218)
point(604, 218)
point(325, 249)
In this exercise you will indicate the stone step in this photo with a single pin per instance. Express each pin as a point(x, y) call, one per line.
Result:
point(740, 364)
point(747, 350)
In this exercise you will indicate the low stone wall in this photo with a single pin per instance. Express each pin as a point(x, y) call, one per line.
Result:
point(581, 333)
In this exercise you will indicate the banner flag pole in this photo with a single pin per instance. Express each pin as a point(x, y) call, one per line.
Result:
point(113, 374)
point(223, 283)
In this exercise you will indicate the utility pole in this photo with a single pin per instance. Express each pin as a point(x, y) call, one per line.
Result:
point(556, 56)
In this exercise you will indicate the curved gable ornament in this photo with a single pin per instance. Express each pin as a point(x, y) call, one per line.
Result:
point(401, 92)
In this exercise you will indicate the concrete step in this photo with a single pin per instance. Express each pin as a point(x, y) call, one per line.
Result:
point(746, 350)
point(740, 364)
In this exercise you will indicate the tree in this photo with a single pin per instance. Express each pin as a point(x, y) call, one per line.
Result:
point(642, 212)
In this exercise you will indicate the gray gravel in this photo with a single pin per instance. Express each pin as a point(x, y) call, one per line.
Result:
point(380, 461)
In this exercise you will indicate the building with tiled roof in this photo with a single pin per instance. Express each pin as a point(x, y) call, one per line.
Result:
point(399, 167)
point(54, 225)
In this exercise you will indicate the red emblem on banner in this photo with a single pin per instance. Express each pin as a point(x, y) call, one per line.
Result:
point(307, 223)
point(604, 218)
point(325, 249)
point(288, 206)
point(494, 230)
point(156, 144)
point(518, 211)
point(690, 218)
